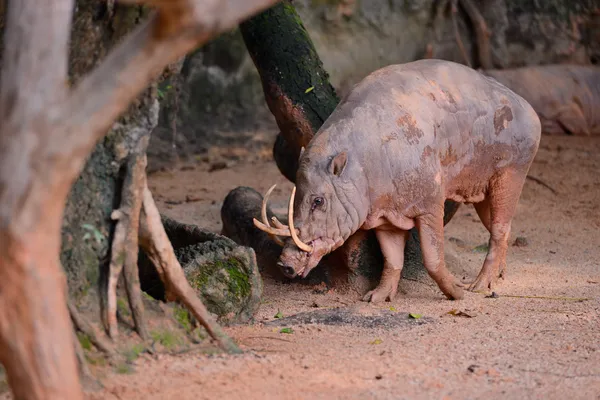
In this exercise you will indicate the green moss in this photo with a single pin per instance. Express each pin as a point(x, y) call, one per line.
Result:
point(134, 352)
point(124, 368)
point(84, 340)
point(96, 359)
point(238, 279)
point(182, 316)
point(238, 282)
point(168, 339)
point(122, 307)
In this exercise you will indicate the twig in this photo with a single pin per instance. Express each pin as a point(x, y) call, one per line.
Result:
point(541, 182)
point(577, 299)
point(482, 33)
point(269, 337)
point(459, 41)
point(85, 327)
point(156, 244)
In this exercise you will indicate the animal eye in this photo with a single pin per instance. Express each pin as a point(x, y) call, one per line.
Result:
point(318, 202)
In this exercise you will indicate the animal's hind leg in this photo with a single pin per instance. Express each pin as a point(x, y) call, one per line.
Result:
point(499, 206)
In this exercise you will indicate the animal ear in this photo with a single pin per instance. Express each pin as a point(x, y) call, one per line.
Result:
point(301, 152)
point(338, 163)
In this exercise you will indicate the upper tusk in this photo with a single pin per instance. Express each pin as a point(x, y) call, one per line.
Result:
point(301, 245)
point(270, 230)
point(265, 221)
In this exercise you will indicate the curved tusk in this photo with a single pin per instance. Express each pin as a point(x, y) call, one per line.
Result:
point(265, 220)
point(277, 223)
point(301, 245)
point(270, 230)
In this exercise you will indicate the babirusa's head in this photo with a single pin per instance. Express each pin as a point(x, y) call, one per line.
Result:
point(327, 205)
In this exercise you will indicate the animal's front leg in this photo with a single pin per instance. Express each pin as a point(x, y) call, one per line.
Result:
point(392, 246)
point(431, 231)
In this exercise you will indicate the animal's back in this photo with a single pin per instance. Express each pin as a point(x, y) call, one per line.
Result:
point(400, 112)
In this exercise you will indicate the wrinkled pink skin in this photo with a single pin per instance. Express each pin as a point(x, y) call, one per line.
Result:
point(404, 140)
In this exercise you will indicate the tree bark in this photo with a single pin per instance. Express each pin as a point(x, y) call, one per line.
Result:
point(296, 85)
point(298, 93)
point(46, 134)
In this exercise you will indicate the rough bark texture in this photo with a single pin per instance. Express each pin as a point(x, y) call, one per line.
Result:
point(295, 84)
point(289, 66)
point(36, 346)
point(47, 132)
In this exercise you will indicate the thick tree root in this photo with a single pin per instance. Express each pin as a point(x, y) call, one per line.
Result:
point(82, 325)
point(156, 244)
point(84, 371)
point(124, 251)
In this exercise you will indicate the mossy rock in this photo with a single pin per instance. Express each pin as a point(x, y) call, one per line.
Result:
point(224, 274)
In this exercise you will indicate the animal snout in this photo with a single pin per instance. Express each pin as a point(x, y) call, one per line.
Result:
point(287, 270)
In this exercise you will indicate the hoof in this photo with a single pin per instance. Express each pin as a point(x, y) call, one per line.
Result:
point(379, 295)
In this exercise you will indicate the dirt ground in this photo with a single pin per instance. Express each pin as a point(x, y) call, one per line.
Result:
point(539, 339)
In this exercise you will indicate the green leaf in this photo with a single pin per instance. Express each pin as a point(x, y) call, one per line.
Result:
point(279, 314)
point(482, 248)
point(414, 316)
point(286, 330)
point(376, 341)
point(310, 89)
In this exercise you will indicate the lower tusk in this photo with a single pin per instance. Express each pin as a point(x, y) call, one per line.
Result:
point(301, 245)
point(277, 223)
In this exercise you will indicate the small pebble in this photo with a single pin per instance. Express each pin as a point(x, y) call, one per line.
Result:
point(521, 241)
point(378, 376)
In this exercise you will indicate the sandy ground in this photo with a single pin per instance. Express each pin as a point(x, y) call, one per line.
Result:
point(544, 345)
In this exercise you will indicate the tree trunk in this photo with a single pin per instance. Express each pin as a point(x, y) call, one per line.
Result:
point(296, 85)
point(48, 129)
point(299, 95)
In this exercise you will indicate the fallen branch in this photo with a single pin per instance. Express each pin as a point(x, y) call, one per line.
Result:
point(544, 184)
point(86, 328)
point(577, 299)
point(156, 244)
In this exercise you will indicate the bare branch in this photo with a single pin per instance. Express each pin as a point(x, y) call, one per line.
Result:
point(178, 27)
point(33, 78)
point(35, 57)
